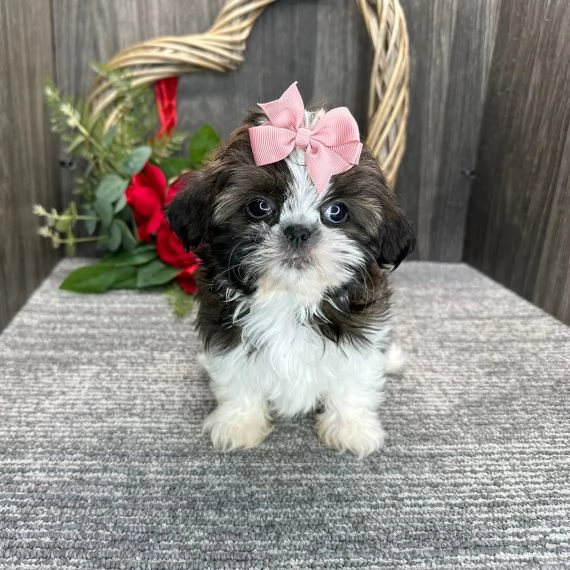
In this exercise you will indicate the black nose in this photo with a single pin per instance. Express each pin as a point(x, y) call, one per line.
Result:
point(297, 234)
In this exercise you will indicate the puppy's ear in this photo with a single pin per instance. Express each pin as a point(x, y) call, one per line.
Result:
point(190, 211)
point(391, 234)
point(397, 239)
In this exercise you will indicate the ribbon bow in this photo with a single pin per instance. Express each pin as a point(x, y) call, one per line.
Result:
point(332, 146)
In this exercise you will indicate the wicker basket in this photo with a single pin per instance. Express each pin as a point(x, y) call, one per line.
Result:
point(222, 49)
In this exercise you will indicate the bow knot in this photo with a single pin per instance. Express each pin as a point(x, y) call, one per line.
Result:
point(303, 139)
point(331, 146)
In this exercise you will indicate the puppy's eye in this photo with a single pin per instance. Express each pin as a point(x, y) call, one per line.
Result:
point(259, 209)
point(335, 213)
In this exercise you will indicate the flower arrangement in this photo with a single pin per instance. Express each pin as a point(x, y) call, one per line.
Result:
point(128, 168)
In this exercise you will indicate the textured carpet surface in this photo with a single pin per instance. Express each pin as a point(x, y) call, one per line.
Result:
point(102, 463)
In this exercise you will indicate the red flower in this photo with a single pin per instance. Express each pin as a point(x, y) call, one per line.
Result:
point(146, 195)
point(170, 249)
point(186, 279)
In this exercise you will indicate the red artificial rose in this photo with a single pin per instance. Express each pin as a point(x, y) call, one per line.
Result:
point(168, 246)
point(186, 279)
point(146, 195)
point(170, 249)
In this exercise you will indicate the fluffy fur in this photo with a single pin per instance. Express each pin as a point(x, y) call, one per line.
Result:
point(293, 326)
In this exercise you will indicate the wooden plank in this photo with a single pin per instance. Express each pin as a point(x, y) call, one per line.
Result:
point(27, 160)
point(552, 289)
point(94, 31)
point(451, 43)
point(343, 58)
point(518, 230)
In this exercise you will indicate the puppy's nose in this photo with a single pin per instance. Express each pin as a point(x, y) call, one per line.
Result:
point(297, 234)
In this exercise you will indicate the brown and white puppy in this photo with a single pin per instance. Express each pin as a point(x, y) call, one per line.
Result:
point(294, 305)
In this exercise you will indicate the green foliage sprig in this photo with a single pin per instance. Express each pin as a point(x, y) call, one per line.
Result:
point(109, 158)
point(106, 158)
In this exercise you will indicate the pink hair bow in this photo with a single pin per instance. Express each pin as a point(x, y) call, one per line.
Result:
point(332, 146)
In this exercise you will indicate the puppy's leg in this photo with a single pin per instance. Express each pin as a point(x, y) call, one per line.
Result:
point(242, 418)
point(350, 420)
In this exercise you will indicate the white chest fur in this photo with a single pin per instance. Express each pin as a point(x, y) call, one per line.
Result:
point(291, 364)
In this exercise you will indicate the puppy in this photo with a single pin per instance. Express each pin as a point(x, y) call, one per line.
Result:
point(294, 309)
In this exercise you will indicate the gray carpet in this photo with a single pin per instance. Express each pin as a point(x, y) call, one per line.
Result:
point(102, 463)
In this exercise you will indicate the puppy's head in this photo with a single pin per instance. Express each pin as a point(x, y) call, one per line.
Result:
point(268, 229)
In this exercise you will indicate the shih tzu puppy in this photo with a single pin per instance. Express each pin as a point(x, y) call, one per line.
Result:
point(297, 229)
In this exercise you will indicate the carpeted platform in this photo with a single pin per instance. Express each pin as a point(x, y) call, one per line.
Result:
point(102, 463)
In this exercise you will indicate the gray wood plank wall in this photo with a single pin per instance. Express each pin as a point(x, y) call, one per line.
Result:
point(27, 157)
point(451, 45)
point(519, 215)
point(324, 45)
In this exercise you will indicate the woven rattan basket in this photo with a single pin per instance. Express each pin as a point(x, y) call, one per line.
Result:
point(222, 49)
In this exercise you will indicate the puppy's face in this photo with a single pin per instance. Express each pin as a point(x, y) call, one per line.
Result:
point(267, 228)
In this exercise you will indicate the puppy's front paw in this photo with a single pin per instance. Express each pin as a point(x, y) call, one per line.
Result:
point(229, 430)
point(357, 431)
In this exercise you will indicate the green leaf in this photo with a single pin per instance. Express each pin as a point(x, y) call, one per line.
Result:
point(155, 273)
point(139, 256)
point(90, 225)
point(92, 279)
point(205, 139)
point(115, 237)
point(121, 203)
point(173, 166)
point(104, 210)
point(126, 278)
point(138, 158)
point(180, 302)
point(111, 188)
point(128, 240)
point(146, 247)
point(126, 214)
point(109, 136)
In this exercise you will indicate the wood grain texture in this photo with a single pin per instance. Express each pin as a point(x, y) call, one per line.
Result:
point(518, 227)
point(27, 159)
point(451, 44)
point(343, 58)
